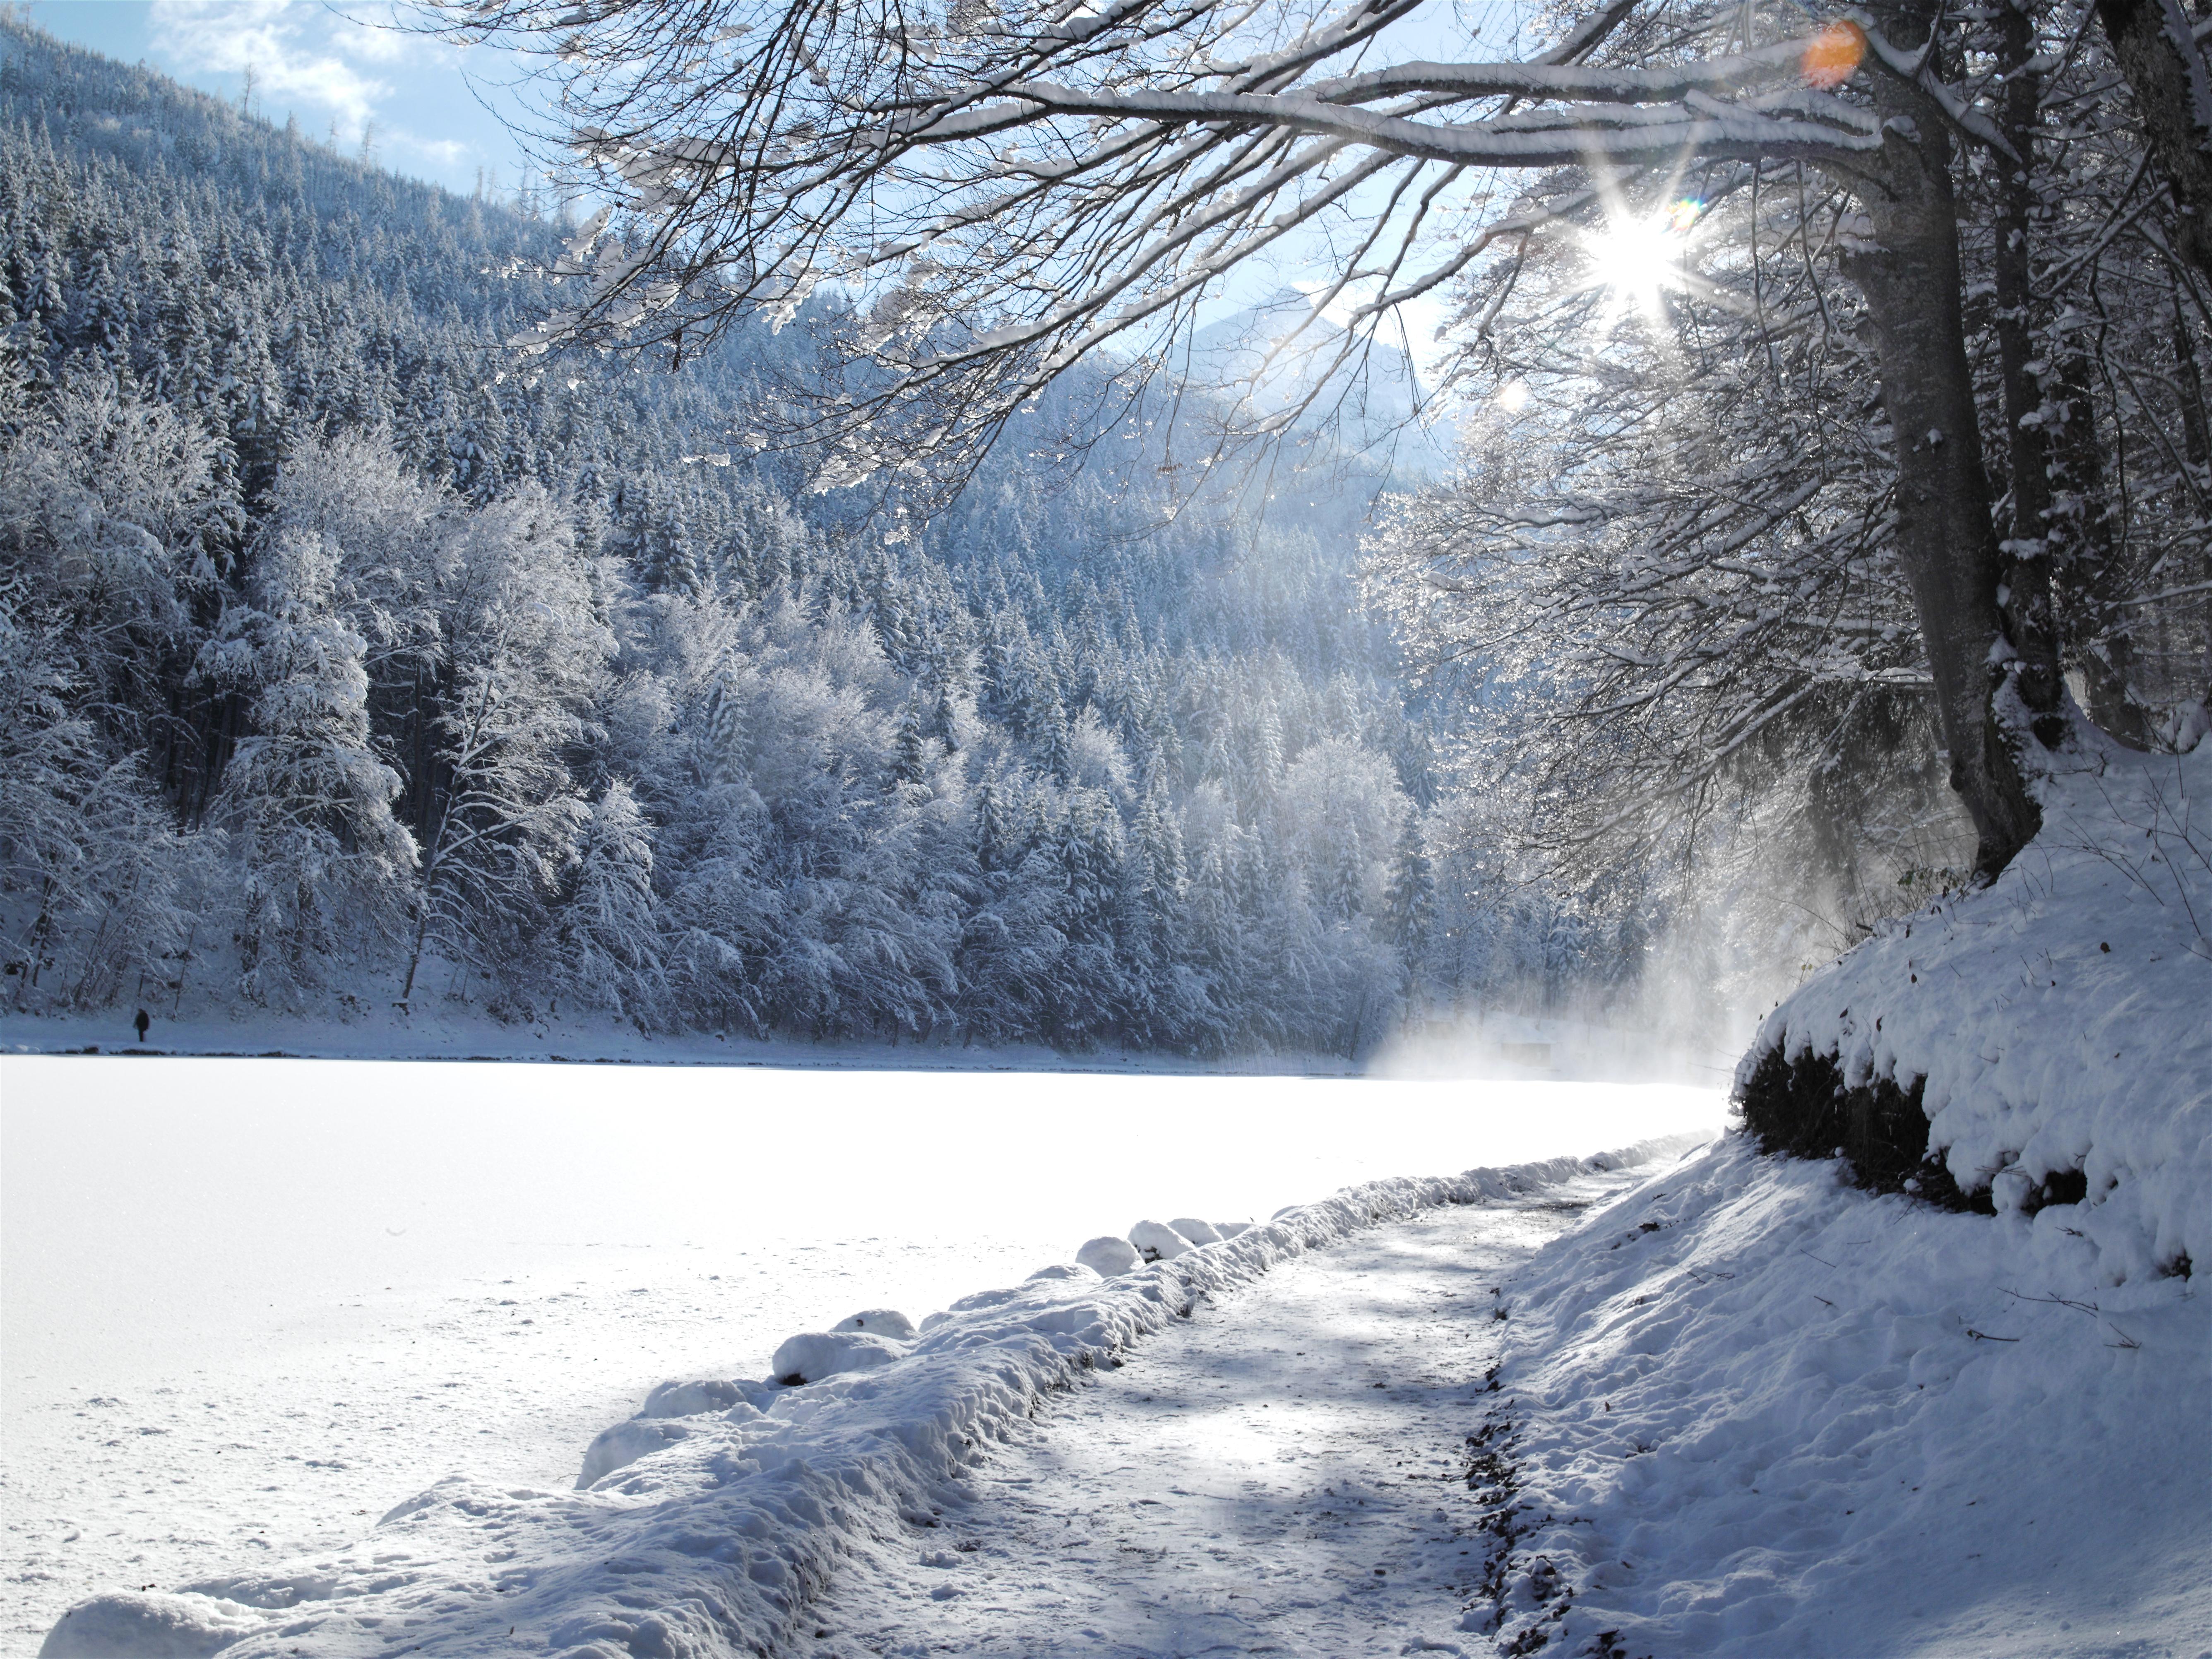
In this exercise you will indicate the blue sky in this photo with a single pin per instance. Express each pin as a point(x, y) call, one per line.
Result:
point(334, 67)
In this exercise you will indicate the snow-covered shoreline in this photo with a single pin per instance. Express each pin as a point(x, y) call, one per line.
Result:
point(260, 1034)
point(1492, 1044)
point(711, 1544)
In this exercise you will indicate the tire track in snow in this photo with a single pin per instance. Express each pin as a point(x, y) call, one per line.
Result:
point(1282, 1474)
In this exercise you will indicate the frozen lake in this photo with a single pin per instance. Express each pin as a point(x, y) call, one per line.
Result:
point(247, 1306)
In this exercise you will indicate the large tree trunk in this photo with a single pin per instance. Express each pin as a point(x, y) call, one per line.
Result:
point(2088, 568)
point(2157, 49)
point(1909, 273)
point(2063, 537)
point(2025, 575)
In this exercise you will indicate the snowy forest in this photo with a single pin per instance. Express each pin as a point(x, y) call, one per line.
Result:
point(354, 660)
point(345, 666)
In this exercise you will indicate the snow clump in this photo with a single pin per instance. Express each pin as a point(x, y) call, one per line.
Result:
point(690, 1399)
point(812, 1355)
point(1197, 1231)
point(1109, 1257)
point(170, 1627)
point(619, 1447)
point(884, 1322)
point(1158, 1242)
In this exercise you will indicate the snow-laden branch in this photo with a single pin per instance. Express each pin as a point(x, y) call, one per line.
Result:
point(1006, 192)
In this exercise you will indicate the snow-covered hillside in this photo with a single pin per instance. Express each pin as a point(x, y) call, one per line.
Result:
point(1760, 1410)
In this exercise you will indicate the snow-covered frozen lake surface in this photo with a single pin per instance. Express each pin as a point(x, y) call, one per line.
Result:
point(250, 1306)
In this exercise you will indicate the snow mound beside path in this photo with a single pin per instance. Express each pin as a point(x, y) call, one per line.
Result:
point(711, 1533)
point(1753, 1409)
point(2056, 1022)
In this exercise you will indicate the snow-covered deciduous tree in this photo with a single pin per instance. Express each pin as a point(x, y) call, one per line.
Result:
point(1011, 197)
point(521, 661)
point(306, 798)
point(609, 945)
point(103, 505)
point(1710, 619)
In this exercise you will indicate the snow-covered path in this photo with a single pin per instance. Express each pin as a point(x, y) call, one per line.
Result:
point(1283, 1474)
point(249, 1305)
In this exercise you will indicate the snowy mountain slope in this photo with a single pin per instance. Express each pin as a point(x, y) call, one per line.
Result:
point(1094, 756)
point(1753, 1410)
point(711, 1544)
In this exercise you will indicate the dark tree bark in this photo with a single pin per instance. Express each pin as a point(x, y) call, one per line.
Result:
point(2158, 52)
point(2027, 553)
point(2088, 567)
point(2071, 547)
point(1946, 538)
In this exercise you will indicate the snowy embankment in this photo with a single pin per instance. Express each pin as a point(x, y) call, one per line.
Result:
point(1755, 1410)
point(209, 1028)
point(2055, 1025)
point(723, 1507)
point(1758, 1409)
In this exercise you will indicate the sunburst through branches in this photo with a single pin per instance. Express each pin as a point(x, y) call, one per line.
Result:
point(1637, 256)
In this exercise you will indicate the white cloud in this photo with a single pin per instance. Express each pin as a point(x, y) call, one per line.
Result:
point(447, 154)
point(269, 38)
point(345, 70)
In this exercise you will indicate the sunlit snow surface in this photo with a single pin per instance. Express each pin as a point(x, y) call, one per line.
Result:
point(1752, 1410)
point(250, 1306)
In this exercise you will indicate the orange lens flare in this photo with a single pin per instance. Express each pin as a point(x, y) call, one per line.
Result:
point(1832, 55)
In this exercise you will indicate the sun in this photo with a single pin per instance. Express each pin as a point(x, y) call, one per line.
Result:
point(1638, 255)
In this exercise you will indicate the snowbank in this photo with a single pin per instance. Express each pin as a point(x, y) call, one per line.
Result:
point(706, 1533)
point(2057, 1023)
point(1753, 1409)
